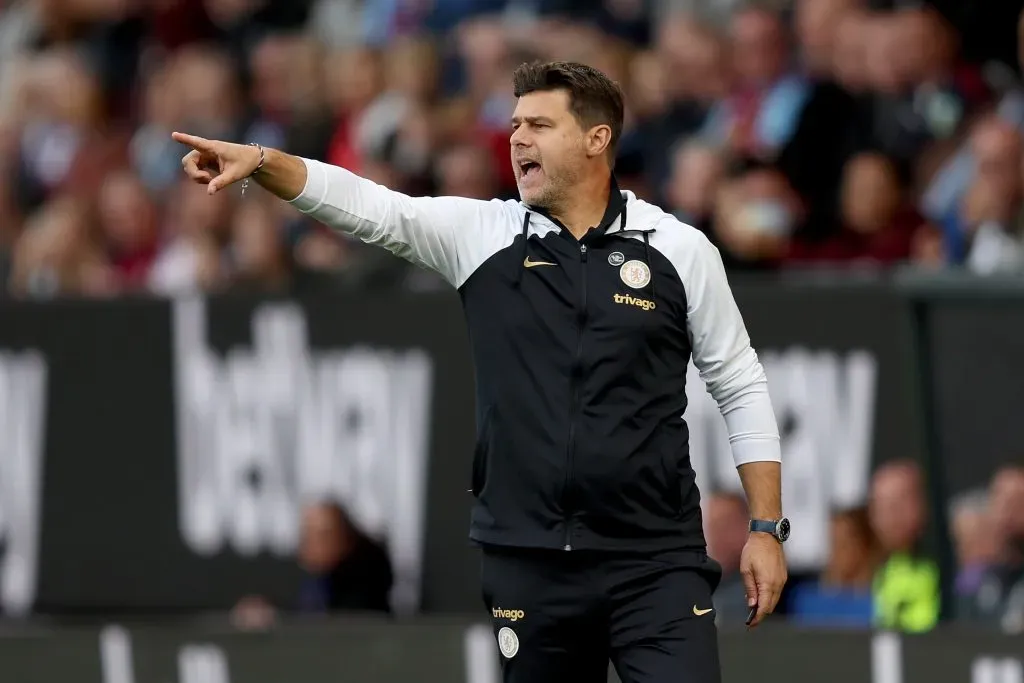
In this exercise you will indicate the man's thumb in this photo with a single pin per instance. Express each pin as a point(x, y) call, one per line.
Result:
point(750, 587)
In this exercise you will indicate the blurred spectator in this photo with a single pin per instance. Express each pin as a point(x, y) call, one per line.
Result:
point(209, 93)
point(402, 91)
point(990, 224)
point(816, 23)
point(154, 155)
point(128, 223)
point(926, 92)
point(355, 79)
point(726, 528)
point(835, 122)
point(196, 230)
point(344, 570)
point(260, 260)
point(906, 588)
point(715, 12)
point(877, 224)
point(65, 143)
point(57, 254)
point(697, 172)
point(756, 213)
point(761, 112)
point(999, 598)
point(338, 24)
point(842, 594)
point(467, 171)
point(849, 53)
point(695, 75)
point(976, 541)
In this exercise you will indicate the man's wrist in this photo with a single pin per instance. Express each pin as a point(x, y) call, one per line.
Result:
point(777, 528)
point(261, 157)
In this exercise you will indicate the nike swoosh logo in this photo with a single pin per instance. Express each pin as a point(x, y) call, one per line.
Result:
point(527, 263)
point(701, 612)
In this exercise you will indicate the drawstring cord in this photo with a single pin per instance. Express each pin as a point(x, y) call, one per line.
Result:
point(647, 247)
point(622, 229)
point(650, 266)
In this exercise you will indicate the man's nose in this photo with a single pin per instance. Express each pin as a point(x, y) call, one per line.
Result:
point(519, 138)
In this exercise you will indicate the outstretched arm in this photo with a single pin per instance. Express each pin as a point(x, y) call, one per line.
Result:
point(450, 235)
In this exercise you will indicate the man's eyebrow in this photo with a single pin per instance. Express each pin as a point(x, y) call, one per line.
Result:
point(530, 119)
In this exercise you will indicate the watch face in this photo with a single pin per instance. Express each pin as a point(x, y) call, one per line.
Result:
point(783, 529)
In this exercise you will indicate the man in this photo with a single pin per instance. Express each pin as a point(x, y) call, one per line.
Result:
point(999, 597)
point(906, 588)
point(584, 305)
point(344, 569)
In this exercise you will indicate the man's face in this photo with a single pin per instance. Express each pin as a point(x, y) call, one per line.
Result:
point(897, 509)
point(548, 148)
point(1008, 502)
point(997, 152)
point(759, 47)
point(322, 539)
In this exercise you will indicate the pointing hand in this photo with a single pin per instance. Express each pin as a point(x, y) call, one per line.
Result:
point(217, 164)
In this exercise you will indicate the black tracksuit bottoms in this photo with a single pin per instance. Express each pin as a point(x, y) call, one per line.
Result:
point(559, 617)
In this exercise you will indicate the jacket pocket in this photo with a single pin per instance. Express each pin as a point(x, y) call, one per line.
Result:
point(482, 452)
point(674, 483)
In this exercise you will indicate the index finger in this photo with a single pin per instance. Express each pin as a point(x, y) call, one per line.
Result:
point(194, 141)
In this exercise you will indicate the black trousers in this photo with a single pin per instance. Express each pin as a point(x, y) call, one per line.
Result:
point(560, 616)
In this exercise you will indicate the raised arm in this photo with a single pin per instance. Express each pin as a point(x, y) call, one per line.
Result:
point(450, 235)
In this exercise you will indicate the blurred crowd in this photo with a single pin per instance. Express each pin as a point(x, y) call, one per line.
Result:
point(880, 571)
point(796, 133)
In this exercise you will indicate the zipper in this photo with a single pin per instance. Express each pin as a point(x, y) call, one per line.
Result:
point(571, 451)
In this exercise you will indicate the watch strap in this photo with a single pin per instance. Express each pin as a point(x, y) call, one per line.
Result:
point(766, 526)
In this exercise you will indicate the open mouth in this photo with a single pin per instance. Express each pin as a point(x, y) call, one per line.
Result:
point(528, 167)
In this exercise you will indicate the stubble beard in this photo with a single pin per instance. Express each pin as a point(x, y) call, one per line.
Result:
point(554, 193)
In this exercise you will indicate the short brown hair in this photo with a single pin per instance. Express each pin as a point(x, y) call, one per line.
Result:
point(594, 98)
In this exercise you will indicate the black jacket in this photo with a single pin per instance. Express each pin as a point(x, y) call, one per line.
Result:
point(581, 351)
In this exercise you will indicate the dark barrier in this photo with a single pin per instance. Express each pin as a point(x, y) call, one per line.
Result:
point(155, 454)
point(975, 335)
point(159, 453)
point(452, 651)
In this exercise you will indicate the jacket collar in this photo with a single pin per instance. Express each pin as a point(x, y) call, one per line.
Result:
point(614, 209)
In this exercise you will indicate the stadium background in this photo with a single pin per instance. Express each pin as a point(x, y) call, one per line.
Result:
point(184, 380)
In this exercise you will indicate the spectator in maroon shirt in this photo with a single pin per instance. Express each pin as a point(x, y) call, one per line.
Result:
point(878, 224)
point(128, 220)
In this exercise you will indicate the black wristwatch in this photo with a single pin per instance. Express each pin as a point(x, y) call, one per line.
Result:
point(778, 528)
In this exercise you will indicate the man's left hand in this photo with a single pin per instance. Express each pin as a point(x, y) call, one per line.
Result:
point(763, 567)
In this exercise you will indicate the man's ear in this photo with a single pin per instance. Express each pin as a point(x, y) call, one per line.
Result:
point(598, 139)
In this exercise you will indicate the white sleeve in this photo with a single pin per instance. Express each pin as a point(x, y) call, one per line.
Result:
point(450, 235)
point(723, 355)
